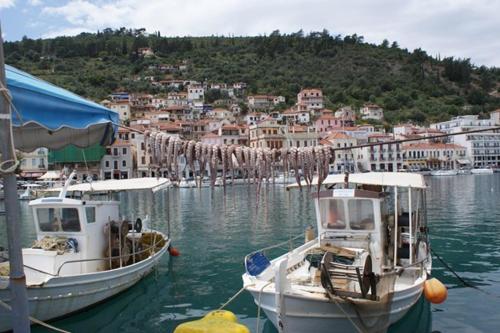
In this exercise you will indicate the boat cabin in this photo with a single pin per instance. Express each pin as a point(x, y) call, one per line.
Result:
point(381, 213)
point(79, 223)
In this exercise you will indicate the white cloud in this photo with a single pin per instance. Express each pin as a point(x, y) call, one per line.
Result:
point(7, 3)
point(73, 31)
point(35, 2)
point(463, 28)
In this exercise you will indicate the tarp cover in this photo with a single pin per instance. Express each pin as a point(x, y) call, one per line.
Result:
point(48, 116)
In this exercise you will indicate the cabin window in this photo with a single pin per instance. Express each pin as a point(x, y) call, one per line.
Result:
point(333, 214)
point(90, 212)
point(361, 214)
point(58, 219)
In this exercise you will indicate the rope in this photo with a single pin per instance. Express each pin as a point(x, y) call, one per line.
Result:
point(6, 94)
point(465, 283)
point(258, 306)
point(4, 168)
point(232, 298)
point(34, 320)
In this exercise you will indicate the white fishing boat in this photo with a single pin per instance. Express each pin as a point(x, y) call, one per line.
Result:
point(364, 270)
point(482, 171)
point(84, 251)
point(186, 183)
point(464, 171)
point(444, 173)
point(30, 192)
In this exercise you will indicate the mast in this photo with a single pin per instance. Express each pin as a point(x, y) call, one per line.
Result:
point(17, 283)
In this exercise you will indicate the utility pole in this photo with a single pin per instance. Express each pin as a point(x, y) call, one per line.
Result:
point(17, 283)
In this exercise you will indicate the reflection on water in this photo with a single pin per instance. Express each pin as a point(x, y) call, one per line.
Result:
point(214, 232)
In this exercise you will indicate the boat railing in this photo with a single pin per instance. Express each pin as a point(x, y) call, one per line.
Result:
point(150, 248)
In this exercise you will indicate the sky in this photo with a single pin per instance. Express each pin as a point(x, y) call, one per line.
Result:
point(459, 28)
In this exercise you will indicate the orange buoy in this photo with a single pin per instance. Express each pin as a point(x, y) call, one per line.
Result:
point(434, 291)
point(173, 251)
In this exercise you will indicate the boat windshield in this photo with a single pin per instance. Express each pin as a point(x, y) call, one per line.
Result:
point(58, 219)
point(353, 213)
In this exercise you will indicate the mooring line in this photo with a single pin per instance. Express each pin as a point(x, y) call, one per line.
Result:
point(34, 320)
point(465, 283)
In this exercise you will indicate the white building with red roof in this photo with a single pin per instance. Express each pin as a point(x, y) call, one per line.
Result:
point(434, 156)
point(311, 99)
point(294, 116)
point(346, 159)
point(300, 136)
point(382, 157)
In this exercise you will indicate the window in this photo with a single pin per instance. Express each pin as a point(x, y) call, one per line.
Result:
point(361, 214)
point(115, 151)
point(124, 163)
point(332, 213)
point(90, 213)
point(58, 219)
point(106, 164)
point(124, 151)
point(116, 164)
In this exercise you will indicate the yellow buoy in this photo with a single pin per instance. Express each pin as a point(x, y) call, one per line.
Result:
point(219, 321)
point(434, 291)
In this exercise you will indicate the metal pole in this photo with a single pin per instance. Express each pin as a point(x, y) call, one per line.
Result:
point(17, 283)
point(410, 224)
point(395, 225)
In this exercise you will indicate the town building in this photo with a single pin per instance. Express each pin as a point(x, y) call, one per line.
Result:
point(300, 136)
point(382, 157)
point(177, 99)
point(123, 108)
point(34, 164)
point(266, 133)
point(195, 92)
point(264, 102)
point(294, 116)
point(117, 163)
point(434, 156)
point(482, 149)
point(372, 111)
point(254, 117)
point(311, 99)
point(327, 122)
point(347, 115)
point(345, 159)
point(221, 114)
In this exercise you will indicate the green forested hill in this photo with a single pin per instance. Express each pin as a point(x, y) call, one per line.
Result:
point(410, 85)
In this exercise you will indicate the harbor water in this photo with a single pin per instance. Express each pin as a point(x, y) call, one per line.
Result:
point(214, 231)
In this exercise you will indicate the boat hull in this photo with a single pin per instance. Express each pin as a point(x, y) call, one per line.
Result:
point(303, 314)
point(482, 171)
point(61, 296)
point(444, 173)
